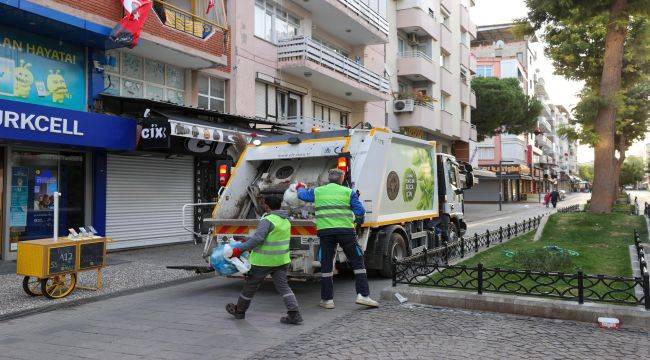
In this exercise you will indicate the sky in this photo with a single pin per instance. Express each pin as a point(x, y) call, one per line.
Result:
point(560, 90)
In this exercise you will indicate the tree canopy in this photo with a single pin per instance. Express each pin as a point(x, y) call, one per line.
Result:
point(632, 171)
point(502, 107)
point(586, 172)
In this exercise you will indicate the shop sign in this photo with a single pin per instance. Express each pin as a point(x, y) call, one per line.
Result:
point(30, 122)
point(41, 70)
point(199, 148)
point(509, 169)
point(200, 132)
point(154, 134)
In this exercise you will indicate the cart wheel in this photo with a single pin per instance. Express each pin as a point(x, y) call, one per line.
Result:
point(32, 286)
point(59, 286)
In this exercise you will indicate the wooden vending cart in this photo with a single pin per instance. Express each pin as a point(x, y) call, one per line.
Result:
point(50, 266)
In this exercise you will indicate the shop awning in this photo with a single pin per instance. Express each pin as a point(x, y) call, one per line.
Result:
point(480, 173)
point(187, 127)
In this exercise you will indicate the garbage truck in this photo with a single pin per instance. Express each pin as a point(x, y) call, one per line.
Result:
point(413, 196)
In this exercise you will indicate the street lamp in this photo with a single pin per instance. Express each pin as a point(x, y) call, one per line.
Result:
point(501, 162)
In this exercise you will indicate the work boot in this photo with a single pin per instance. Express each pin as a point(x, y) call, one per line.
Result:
point(327, 304)
point(366, 301)
point(293, 317)
point(232, 310)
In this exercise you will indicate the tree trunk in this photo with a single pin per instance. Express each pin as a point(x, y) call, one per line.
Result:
point(603, 197)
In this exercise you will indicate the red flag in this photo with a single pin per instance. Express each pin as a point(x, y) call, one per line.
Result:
point(210, 6)
point(127, 31)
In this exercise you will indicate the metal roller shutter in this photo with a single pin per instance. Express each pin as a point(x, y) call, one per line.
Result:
point(144, 197)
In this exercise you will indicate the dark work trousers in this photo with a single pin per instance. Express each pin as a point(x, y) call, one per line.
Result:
point(554, 203)
point(348, 243)
point(255, 277)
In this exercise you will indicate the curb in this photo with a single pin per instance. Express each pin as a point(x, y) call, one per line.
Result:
point(519, 305)
point(91, 299)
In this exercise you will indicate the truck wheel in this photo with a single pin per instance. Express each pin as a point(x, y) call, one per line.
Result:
point(397, 249)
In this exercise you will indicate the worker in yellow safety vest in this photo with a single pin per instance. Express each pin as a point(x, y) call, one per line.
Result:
point(337, 209)
point(269, 248)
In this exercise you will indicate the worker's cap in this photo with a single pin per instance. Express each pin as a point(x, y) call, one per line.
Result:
point(334, 175)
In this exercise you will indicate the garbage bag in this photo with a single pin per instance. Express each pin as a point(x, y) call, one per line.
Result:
point(225, 266)
point(290, 197)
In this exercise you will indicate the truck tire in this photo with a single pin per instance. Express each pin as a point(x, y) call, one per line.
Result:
point(396, 249)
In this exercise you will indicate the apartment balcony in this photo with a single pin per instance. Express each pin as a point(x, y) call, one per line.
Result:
point(423, 116)
point(448, 128)
point(465, 93)
point(464, 17)
point(472, 99)
point(351, 20)
point(185, 21)
point(330, 72)
point(416, 20)
point(446, 80)
point(464, 55)
point(416, 66)
point(446, 39)
point(544, 125)
point(472, 63)
point(543, 142)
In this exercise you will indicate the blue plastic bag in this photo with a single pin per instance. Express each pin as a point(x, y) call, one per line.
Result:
point(221, 264)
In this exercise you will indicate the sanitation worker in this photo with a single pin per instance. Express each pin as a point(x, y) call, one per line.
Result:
point(269, 256)
point(337, 209)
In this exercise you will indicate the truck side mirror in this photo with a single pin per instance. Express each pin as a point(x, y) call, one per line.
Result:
point(469, 180)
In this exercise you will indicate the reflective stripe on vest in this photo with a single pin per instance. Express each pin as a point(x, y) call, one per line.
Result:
point(274, 251)
point(332, 205)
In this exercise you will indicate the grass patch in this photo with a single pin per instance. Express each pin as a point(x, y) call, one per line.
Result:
point(602, 242)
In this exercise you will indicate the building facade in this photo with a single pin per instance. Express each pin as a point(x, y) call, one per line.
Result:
point(431, 72)
point(74, 118)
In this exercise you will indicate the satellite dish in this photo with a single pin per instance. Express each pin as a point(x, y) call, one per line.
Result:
point(499, 44)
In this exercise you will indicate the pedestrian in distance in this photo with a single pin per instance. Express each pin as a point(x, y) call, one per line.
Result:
point(547, 198)
point(555, 196)
point(337, 210)
point(269, 248)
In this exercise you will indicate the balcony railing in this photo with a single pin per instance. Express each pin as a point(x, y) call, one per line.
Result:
point(425, 104)
point(543, 123)
point(303, 47)
point(364, 11)
point(415, 54)
point(185, 21)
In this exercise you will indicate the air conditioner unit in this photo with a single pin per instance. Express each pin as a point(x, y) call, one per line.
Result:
point(403, 105)
point(413, 39)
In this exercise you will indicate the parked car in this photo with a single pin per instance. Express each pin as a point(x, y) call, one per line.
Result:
point(562, 194)
point(629, 187)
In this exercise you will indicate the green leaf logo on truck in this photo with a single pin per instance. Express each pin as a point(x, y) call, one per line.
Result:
point(422, 162)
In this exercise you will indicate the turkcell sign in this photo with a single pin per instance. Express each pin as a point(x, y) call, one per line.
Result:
point(29, 122)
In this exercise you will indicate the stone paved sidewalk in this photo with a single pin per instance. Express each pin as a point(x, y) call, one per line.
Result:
point(423, 332)
point(127, 270)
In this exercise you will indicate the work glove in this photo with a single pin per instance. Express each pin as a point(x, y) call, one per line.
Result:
point(359, 220)
point(236, 252)
point(236, 248)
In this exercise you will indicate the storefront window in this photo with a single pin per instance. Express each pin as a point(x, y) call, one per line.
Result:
point(35, 176)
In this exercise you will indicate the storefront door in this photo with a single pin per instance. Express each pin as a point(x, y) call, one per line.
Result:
point(35, 176)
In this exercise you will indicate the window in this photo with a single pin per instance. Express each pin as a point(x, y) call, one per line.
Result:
point(134, 76)
point(520, 57)
point(444, 60)
point(401, 45)
point(484, 70)
point(485, 153)
point(273, 23)
point(463, 75)
point(212, 92)
point(445, 16)
point(403, 88)
point(463, 109)
point(276, 103)
point(464, 39)
point(444, 101)
point(330, 114)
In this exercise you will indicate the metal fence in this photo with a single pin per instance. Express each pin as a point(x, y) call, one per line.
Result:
point(432, 269)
